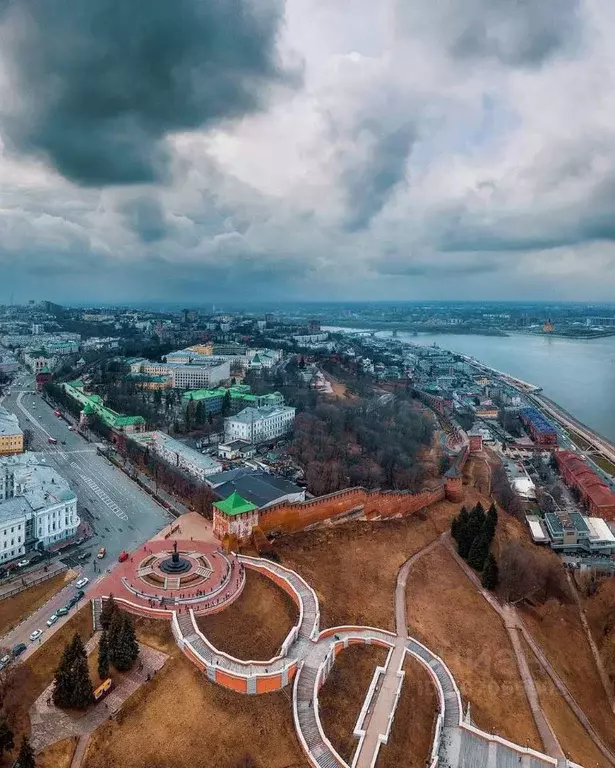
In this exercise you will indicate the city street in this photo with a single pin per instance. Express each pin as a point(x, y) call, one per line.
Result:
point(120, 513)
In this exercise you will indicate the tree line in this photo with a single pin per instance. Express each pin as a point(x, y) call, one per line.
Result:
point(474, 532)
point(118, 646)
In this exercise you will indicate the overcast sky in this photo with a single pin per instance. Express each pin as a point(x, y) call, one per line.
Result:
point(332, 149)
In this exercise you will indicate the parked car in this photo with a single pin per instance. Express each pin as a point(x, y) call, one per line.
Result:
point(63, 611)
point(52, 619)
point(23, 563)
point(80, 583)
point(18, 649)
point(36, 558)
point(52, 440)
point(36, 634)
point(72, 602)
point(123, 557)
point(4, 661)
point(71, 428)
point(85, 556)
point(101, 553)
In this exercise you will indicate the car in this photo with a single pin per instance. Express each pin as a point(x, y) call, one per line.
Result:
point(85, 556)
point(52, 619)
point(52, 440)
point(72, 602)
point(63, 611)
point(71, 428)
point(23, 563)
point(123, 557)
point(18, 649)
point(79, 594)
point(36, 634)
point(81, 582)
point(36, 558)
point(101, 553)
point(4, 661)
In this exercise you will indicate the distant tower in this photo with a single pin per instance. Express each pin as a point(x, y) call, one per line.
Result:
point(548, 327)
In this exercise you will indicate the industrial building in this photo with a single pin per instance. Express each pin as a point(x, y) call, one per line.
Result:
point(594, 492)
point(37, 507)
point(11, 436)
point(543, 431)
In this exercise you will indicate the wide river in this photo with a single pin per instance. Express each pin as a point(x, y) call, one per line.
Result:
point(579, 375)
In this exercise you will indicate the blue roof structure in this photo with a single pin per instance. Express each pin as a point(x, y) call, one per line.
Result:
point(540, 423)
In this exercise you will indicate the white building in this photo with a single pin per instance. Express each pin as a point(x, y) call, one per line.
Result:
point(259, 425)
point(208, 373)
point(177, 454)
point(37, 507)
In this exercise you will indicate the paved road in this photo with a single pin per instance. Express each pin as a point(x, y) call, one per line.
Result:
point(121, 514)
point(38, 620)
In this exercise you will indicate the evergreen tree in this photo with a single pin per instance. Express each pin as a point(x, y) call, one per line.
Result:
point(6, 737)
point(490, 573)
point(83, 692)
point(103, 656)
point(491, 522)
point(109, 610)
point(458, 523)
point(125, 649)
point(469, 530)
point(479, 550)
point(226, 403)
point(25, 758)
point(73, 687)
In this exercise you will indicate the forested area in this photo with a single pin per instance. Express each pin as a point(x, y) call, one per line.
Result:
point(362, 443)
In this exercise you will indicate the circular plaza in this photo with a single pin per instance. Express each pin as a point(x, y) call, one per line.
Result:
point(176, 575)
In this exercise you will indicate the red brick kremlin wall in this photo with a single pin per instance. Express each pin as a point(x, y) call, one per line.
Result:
point(292, 517)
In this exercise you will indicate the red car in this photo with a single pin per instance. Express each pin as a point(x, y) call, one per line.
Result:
point(123, 557)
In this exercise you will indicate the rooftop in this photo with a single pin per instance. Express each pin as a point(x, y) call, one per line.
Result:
point(234, 505)
point(9, 425)
point(258, 487)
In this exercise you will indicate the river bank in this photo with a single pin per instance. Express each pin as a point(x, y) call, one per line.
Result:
point(579, 375)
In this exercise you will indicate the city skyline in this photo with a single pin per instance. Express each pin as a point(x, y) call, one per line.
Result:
point(285, 151)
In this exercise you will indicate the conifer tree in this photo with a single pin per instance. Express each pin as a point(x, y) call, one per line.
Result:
point(109, 610)
point(103, 656)
point(491, 522)
point(476, 519)
point(490, 573)
point(62, 689)
point(83, 692)
point(25, 758)
point(479, 550)
point(6, 737)
point(125, 648)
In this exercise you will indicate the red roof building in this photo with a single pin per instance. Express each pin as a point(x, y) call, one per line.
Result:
point(595, 493)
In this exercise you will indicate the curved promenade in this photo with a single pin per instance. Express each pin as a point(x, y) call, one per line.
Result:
point(307, 656)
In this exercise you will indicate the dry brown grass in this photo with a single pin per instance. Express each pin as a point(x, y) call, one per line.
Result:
point(35, 674)
point(255, 625)
point(412, 731)
point(342, 696)
point(180, 719)
point(570, 733)
point(449, 615)
point(557, 628)
point(14, 609)
point(58, 755)
point(353, 567)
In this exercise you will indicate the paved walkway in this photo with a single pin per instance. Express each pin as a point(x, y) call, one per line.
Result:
point(50, 724)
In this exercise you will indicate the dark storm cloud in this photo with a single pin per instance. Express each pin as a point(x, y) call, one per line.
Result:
point(98, 84)
point(145, 217)
point(518, 33)
point(371, 180)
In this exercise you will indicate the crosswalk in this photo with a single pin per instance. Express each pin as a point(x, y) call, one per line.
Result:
point(100, 493)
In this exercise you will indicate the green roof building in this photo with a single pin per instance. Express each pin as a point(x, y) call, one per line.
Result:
point(234, 516)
